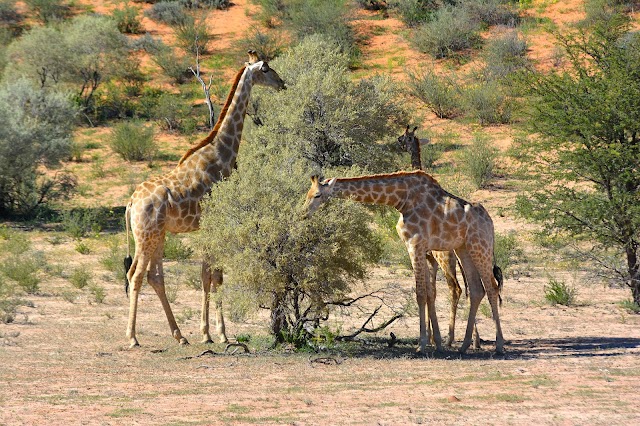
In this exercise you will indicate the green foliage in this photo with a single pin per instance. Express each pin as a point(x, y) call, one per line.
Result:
point(35, 131)
point(489, 103)
point(127, 19)
point(80, 277)
point(559, 293)
point(479, 160)
point(49, 10)
point(133, 141)
point(414, 12)
point(630, 306)
point(505, 55)
point(193, 35)
point(269, 43)
point(167, 12)
point(173, 66)
point(98, 292)
point(583, 169)
point(80, 55)
point(112, 260)
point(211, 4)
point(77, 223)
point(491, 12)
point(273, 256)
point(174, 248)
point(83, 248)
point(440, 94)
point(507, 250)
point(329, 118)
point(171, 113)
point(451, 30)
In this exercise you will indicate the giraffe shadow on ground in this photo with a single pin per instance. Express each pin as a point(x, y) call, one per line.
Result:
point(523, 349)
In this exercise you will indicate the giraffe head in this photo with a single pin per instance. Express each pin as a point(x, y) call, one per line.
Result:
point(318, 194)
point(262, 74)
point(405, 140)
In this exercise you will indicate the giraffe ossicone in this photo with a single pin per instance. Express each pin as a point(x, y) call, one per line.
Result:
point(431, 219)
point(171, 202)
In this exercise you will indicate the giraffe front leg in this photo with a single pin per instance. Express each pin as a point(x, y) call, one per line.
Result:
point(421, 273)
point(476, 293)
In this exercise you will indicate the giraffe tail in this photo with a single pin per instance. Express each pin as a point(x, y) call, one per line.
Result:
point(128, 261)
point(497, 273)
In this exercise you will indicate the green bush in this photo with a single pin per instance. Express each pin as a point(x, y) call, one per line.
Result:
point(173, 66)
point(170, 112)
point(174, 249)
point(133, 141)
point(193, 35)
point(450, 31)
point(507, 251)
point(112, 260)
point(441, 95)
point(127, 20)
point(211, 4)
point(80, 277)
point(294, 267)
point(491, 12)
point(414, 12)
point(24, 270)
point(49, 10)
point(98, 292)
point(479, 161)
point(505, 55)
point(559, 293)
point(488, 103)
point(35, 131)
point(167, 12)
point(330, 118)
point(77, 223)
point(269, 43)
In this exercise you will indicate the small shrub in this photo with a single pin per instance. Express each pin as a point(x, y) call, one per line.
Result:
point(167, 12)
point(211, 4)
point(133, 141)
point(170, 112)
point(630, 306)
point(82, 248)
point(488, 103)
point(114, 102)
point(98, 292)
point(505, 55)
point(174, 249)
point(479, 161)
point(193, 35)
point(80, 278)
point(507, 250)
point(269, 44)
point(451, 30)
point(414, 12)
point(440, 94)
point(79, 223)
point(49, 10)
point(491, 12)
point(113, 259)
point(173, 66)
point(24, 271)
point(171, 290)
point(430, 153)
point(559, 293)
point(127, 19)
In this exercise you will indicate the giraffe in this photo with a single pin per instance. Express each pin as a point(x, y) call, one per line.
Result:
point(430, 219)
point(171, 203)
point(408, 141)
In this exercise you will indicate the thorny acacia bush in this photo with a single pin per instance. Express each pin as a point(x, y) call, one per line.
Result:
point(35, 131)
point(332, 120)
point(252, 225)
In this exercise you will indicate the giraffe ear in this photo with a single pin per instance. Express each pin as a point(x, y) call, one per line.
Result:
point(331, 183)
point(314, 178)
point(415, 128)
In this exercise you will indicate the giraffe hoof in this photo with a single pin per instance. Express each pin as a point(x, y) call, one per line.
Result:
point(207, 340)
point(134, 344)
point(183, 341)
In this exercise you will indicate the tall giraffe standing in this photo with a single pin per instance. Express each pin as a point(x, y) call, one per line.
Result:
point(408, 141)
point(171, 203)
point(430, 219)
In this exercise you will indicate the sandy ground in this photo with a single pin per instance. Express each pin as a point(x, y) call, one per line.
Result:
point(68, 363)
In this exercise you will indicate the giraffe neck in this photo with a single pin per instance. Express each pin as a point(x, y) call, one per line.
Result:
point(217, 159)
point(390, 190)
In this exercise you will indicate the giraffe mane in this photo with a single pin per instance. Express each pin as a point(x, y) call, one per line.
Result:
point(212, 134)
point(391, 175)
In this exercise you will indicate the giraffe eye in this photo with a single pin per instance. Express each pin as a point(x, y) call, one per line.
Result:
point(265, 68)
point(318, 195)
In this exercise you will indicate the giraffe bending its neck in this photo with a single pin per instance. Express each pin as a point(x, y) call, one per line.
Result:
point(430, 219)
point(408, 141)
point(171, 203)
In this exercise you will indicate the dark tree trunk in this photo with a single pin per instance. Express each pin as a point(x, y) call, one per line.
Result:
point(278, 317)
point(634, 271)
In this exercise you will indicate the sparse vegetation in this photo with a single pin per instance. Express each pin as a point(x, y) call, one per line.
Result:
point(133, 141)
point(479, 161)
point(559, 293)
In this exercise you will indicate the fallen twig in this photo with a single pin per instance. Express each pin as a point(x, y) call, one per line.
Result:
point(238, 345)
point(325, 361)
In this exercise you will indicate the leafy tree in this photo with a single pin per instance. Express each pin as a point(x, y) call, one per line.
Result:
point(35, 132)
point(81, 54)
point(331, 119)
point(252, 226)
point(585, 166)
